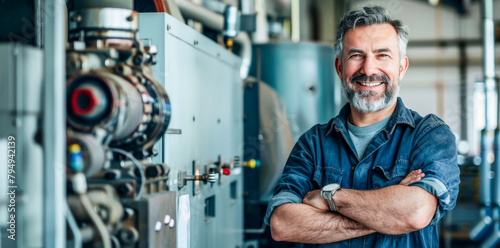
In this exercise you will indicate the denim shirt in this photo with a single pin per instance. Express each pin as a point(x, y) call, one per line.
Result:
point(325, 154)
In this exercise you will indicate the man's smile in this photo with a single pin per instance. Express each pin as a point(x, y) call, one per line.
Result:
point(370, 84)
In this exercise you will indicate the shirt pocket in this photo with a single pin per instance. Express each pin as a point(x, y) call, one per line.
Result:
point(327, 175)
point(385, 175)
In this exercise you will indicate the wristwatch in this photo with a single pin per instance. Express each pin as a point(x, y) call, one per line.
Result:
point(327, 193)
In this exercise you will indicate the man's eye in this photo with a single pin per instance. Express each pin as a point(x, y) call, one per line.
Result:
point(383, 55)
point(356, 56)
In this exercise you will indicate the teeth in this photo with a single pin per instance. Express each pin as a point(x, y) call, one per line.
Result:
point(370, 84)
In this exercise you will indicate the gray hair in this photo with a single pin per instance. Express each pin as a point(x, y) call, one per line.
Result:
point(370, 15)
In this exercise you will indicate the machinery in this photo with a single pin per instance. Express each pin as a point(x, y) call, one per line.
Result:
point(128, 186)
point(116, 111)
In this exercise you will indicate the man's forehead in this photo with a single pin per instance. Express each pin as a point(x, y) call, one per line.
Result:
point(372, 37)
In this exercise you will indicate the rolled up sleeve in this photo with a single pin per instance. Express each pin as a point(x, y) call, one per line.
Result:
point(295, 181)
point(436, 155)
point(435, 187)
point(280, 199)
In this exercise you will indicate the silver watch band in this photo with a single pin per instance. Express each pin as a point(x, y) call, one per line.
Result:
point(330, 200)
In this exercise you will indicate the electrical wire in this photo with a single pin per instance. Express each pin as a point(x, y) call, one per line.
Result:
point(139, 167)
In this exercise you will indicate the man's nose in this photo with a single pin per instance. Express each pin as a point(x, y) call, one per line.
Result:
point(369, 66)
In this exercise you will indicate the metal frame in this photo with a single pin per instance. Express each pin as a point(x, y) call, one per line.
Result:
point(54, 124)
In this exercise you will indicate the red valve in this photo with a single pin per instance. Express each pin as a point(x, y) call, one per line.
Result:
point(226, 171)
point(83, 101)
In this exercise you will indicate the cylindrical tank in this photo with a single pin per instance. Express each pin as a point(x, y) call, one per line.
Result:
point(302, 74)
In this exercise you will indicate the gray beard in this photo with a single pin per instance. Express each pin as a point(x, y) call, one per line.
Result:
point(366, 101)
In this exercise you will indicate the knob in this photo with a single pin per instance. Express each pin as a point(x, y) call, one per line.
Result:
point(226, 171)
point(207, 177)
point(212, 177)
point(252, 163)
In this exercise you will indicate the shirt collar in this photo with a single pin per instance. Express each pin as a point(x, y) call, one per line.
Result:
point(401, 115)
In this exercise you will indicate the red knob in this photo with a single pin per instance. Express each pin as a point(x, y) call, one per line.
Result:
point(226, 171)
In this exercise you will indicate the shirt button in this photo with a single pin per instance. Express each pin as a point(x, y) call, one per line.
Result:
point(353, 167)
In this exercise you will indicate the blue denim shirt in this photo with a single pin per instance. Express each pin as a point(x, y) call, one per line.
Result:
point(325, 154)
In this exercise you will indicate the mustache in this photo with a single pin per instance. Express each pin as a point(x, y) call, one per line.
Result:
point(372, 78)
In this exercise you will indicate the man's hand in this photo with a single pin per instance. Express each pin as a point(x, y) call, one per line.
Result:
point(414, 176)
point(314, 199)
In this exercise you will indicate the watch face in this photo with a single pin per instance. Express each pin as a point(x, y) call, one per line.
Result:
point(330, 187)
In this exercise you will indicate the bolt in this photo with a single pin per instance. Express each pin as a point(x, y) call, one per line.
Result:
point(158, 226)
point(196, 42)
point(138, 59)
point(167, 219)
point(152, 171)
point(127, 212)
point(169, 27)
point(125, 189)
point(104, 213)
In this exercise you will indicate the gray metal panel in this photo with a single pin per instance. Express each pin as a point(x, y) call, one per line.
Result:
point(150, 210)
point(206, 92)
point(20, 100)
point(21, 68)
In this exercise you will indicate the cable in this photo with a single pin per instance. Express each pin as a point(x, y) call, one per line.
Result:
point(139, 167)
point(79, 183)
point(100, 226)
point(77, 236)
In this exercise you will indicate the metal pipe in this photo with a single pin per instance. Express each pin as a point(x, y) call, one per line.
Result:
point(245, 53)
point(53, 124)
point(485, 226)
point(494, 239)
point(462, 46)
point(496, 182)
point(38, 16)
point(489, 83)
point(201, 14)
point(216, 21)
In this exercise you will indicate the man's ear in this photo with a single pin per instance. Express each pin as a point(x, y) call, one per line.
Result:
point(403, 66)
point(338, 66)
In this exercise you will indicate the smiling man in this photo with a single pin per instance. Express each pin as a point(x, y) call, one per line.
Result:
point(378, 174)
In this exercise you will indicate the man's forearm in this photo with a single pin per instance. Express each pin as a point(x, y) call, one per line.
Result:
point(392, 210)
point(295, 222)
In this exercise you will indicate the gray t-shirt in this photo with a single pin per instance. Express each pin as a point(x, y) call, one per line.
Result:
point(361, 136)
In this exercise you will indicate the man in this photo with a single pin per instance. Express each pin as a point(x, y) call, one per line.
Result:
point(378, 174)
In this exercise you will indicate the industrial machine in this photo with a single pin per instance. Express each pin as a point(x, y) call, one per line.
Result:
point(128, 186)
point(116, 111)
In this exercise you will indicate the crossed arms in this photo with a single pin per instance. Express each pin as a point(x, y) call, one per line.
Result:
point(395, 209)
